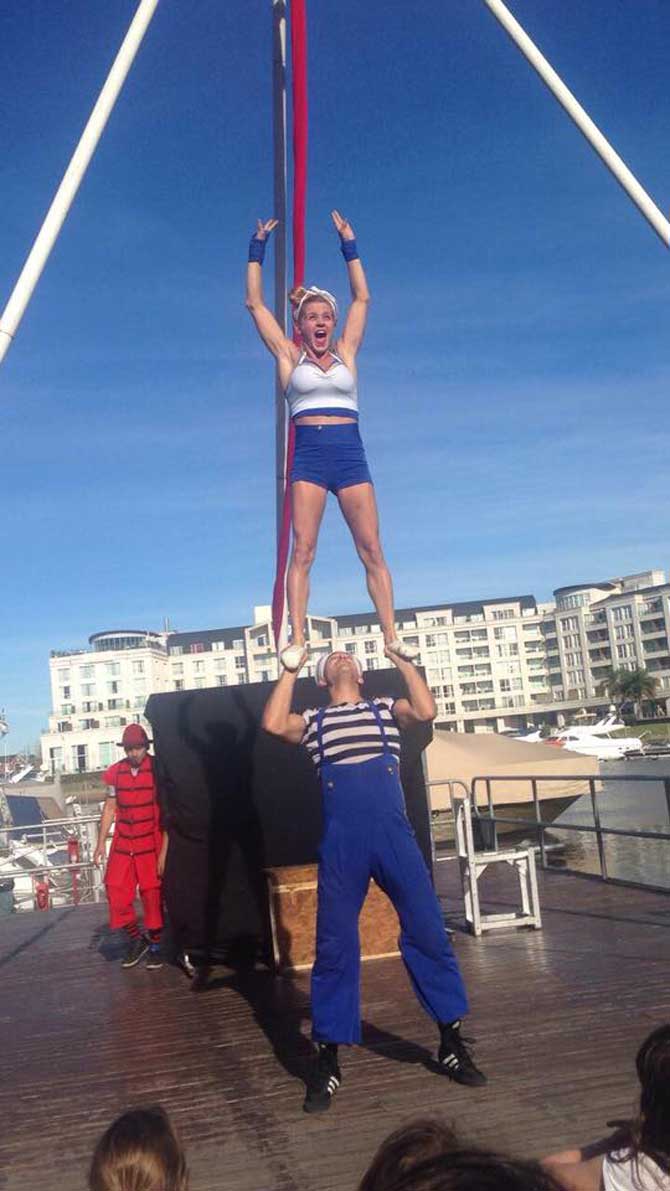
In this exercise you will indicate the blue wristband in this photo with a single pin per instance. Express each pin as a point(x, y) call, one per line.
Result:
point(349, 250)
point(257, 250)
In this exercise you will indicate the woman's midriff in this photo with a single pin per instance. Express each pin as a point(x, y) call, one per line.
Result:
point(321, 420)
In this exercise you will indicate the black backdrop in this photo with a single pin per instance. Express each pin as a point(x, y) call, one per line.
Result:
point(237, 800)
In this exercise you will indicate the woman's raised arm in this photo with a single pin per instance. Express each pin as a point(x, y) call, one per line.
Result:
point(357, 314)
point(266, 324)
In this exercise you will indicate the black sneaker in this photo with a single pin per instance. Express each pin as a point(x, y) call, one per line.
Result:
point(323, 1082)
point(184, 961)
point(137, 948)
point(455, 1059)
point(154, 958)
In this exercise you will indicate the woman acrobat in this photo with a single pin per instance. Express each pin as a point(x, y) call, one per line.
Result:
point(319, 380)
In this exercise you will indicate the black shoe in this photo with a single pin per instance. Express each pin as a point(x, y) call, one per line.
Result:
point(323, 1082)
point(184, 961)
point(455, 1059)
point(154, 958)
point(138, 947)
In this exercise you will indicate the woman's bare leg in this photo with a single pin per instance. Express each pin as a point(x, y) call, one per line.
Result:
point(359, 507)
point(307, 504)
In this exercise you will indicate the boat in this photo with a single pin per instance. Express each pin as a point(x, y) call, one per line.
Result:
point(461, 757)
point(596, 741)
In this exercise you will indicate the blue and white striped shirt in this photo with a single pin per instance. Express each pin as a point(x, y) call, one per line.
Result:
point(351, 732)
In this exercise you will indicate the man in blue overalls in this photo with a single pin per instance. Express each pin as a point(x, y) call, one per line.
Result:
point(355, 743)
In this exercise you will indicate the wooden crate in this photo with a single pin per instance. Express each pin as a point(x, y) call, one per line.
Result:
point(292, 900)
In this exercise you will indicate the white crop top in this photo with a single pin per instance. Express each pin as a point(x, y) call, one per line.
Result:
point(634, 1174)
point(313, 391)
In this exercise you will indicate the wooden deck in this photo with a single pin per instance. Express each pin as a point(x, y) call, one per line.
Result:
point(558, 1015)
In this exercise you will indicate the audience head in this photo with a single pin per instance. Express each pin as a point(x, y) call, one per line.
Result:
point(139, 1152)
point(406, 1147)
point(653, 1069)
point(426, 1155)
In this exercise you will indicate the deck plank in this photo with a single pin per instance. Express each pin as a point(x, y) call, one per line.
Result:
point(558, 1015)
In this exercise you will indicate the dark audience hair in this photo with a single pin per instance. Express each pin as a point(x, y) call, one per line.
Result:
point(411, 1144)
point(426, 1155)
point(650, 1131)
point(140, 1151)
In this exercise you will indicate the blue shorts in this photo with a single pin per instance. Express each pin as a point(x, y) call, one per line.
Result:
point(331, 456)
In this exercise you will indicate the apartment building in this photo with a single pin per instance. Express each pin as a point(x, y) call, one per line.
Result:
point(492, 664)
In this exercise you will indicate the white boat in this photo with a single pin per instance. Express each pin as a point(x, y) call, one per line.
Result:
point(600, 744)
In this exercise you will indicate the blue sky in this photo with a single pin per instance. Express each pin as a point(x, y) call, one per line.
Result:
point(514, 378)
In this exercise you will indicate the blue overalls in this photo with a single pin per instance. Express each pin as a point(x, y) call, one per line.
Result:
point(367, 834)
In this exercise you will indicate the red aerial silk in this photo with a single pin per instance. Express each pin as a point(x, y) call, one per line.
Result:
point(299, 92)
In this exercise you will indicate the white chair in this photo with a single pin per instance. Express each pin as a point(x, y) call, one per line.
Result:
point(473, 864)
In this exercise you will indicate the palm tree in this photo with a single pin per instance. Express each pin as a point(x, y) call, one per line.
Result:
point(629, 687)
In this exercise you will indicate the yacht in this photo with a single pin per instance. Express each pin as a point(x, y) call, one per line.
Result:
point(595, 741)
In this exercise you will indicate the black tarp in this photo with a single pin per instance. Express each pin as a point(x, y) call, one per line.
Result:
point(238, 800)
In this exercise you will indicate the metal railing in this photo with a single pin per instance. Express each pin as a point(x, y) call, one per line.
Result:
point(489, 819)
point(39, 884)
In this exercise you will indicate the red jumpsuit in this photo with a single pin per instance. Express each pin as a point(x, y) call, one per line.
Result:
point(133, 856)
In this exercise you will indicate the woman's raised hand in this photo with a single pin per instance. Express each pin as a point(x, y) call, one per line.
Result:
point(342, 226)
point(264, 229)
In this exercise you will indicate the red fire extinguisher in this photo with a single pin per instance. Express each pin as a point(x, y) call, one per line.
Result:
point(73, 858)
point(41, 893)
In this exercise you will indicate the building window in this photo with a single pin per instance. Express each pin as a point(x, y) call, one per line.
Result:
point(198, 667)
point(199, 684)
point(196, 647)
point(350, 647)
point(239, 644)
point(177, 668)
point(113, 667)
point(176, 650)
point(370, 646)
point(240, 663)
point(55, 759)
point(179, 684)
point(79, 758)
point(65, 692)
point(623, 631)
point(85, 672)
point(625, 612)
point(87, 689)
point(218, 646)
point(112, 688)
point(106, 753)
point(222, 680)
point(64, 676)
point(138, 667)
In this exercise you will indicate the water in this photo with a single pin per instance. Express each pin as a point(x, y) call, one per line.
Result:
point(638, 805)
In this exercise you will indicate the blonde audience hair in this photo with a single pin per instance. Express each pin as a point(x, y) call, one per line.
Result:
point(140, 1151)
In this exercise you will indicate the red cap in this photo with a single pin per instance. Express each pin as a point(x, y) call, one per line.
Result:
point(134, 737)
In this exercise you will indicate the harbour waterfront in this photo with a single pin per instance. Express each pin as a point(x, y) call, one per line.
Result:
point(627, 804)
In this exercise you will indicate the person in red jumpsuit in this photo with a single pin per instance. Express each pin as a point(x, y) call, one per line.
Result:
point(138, 850)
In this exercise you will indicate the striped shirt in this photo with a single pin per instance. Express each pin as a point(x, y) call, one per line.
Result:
point(351, 732)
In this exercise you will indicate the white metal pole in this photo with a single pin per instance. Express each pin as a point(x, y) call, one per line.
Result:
point(66, 193)
point(623, 175)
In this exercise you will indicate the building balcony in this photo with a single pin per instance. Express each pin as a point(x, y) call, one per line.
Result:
point(656, 664)
point(653, 627)
point(660, 645)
